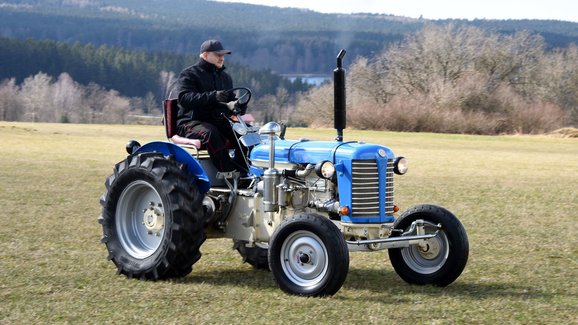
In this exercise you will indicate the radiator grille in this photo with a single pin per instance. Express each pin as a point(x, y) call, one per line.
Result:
point(365, 191)
point(389, 187)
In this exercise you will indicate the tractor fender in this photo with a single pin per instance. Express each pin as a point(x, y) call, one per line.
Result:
point(182, 156)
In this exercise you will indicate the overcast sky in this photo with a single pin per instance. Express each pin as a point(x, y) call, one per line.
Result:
point(440, 9)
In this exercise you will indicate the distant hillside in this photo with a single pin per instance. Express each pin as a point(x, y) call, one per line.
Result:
point(283, 40)
point(132, 73)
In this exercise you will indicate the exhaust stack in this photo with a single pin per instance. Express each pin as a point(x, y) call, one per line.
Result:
point(339, 116)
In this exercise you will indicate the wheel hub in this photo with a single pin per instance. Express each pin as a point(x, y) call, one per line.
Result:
point(153, 219)
point(304, 258)
point(428, 256)
point(430, 249)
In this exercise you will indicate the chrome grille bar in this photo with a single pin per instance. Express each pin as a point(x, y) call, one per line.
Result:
point(389, 187)
point(365, 192)
point(364, 188)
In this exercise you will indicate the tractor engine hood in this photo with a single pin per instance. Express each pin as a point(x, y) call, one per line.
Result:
point(312, 152)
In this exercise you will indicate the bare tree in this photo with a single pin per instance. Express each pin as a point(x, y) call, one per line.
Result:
point(92, 108)
point(458, 78)
point(115, 108)
point(147, 105)
point(261, 108)
point(435, 53)
point(67, 98)
point(11, 107)
point(316, 106)
point(367, 84)
point(36, 97)
point(166, 81)
point(41, 99)
point(151, 105)
point(512, 59)
point(558, 80)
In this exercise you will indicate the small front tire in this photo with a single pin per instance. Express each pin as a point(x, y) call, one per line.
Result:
point(308, 256)
point(441, 259)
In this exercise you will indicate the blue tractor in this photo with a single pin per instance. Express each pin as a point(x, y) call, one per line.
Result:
point(298, 212)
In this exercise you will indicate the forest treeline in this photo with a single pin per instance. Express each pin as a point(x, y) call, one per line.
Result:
point(42, 98)
point(284, 40)
point(132, 73)
point(457, 79)
point(51, 81)
point(109, 61)
point(451, 79)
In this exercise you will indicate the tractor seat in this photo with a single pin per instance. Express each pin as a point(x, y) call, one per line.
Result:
point(170, 110)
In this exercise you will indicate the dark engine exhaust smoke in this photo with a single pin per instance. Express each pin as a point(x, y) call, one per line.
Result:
point(339, 114)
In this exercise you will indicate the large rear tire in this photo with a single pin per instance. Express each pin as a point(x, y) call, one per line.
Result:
point(151, 218)
point(256, 256)
point(308, 256)
point(442, 259)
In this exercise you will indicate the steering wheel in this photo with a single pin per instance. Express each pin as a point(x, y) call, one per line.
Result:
point(243, 96)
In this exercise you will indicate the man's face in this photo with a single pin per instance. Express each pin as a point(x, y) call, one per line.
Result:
point(215, 58)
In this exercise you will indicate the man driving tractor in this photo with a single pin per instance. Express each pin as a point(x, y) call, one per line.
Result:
point(204, 101)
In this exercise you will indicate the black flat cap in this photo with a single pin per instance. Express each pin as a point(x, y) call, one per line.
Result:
point(213, 46)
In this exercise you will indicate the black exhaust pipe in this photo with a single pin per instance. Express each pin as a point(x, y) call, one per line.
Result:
point(339, 116)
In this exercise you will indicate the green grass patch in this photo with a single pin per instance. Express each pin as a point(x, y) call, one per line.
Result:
point(517, 196)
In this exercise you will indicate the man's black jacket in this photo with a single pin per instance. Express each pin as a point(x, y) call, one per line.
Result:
point(197, 87)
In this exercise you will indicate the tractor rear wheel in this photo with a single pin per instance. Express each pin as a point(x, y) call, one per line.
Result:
point(255, 256)
point(151, 218)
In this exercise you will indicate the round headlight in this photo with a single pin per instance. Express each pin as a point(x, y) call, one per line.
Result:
point(325, 169)
point(400, 166)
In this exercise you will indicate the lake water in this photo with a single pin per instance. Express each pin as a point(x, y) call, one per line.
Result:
point(311, 79)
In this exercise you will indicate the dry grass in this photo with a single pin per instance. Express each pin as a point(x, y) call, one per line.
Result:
point(516, 195)
point(566, 133)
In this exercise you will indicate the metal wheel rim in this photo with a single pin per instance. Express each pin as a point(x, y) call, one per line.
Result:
point(430, 260)
point(301, 272)
point(135, 237)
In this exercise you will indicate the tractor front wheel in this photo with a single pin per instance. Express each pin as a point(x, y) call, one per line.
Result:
point(439, 260)
point(308, 256)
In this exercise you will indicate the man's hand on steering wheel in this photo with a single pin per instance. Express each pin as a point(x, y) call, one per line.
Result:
point(236, 106)
point(224, 96)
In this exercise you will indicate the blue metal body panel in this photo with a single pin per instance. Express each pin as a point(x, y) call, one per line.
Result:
point(311, 152)
point(182, 156)
point(341, 154)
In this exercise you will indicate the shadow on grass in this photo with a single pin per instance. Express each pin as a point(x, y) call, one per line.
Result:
point(385, 285)
point(242, 277)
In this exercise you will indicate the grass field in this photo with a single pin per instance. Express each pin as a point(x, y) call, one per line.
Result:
point(517, 196)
